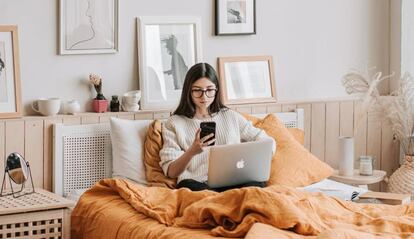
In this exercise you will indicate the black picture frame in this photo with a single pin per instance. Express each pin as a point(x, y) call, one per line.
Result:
point(235, 17)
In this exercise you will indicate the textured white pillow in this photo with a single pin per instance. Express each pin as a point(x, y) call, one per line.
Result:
point(128, 138)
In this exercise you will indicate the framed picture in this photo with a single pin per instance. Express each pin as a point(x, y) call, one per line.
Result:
point(88, 26)
point(235, 17)
point(247, 79)
point(10, 96)
point(167, 48)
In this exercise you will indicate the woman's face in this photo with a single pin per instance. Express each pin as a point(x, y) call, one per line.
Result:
point(203, 92)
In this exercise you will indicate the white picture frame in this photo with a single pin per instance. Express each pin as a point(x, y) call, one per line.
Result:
point(235, 17)
point(247, 79)
point(10, 92)
point(88, 26)
point(161, 75)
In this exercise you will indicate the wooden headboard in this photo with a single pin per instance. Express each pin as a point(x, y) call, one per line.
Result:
point(82, 154)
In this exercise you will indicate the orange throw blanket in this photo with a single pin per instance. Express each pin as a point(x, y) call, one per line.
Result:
point(234, 212)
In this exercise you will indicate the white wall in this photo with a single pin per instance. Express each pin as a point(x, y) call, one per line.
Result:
point(407, 36)
point(313, 43)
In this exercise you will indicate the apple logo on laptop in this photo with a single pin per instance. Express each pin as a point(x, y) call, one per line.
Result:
point(240, 164)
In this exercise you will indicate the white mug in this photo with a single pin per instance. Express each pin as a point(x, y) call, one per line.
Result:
point(71, 107)
point(130, 101)
point(46, 106)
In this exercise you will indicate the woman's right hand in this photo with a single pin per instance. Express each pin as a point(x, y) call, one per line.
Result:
point(199, 144)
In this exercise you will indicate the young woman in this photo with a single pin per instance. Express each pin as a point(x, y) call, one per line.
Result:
point(184, 155)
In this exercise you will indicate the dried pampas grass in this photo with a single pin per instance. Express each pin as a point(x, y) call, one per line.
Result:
point(398, 107)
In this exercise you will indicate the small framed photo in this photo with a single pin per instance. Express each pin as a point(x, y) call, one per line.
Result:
point(167, 48)
point(88, 26)
point(235, 17)
point(247, 79)
point(10, 96)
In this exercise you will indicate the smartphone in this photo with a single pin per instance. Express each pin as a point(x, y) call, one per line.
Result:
point(206, 129)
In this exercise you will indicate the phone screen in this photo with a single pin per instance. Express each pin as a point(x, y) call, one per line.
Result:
point(208, 128)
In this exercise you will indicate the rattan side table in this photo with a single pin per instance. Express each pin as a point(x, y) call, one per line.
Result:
point(39, 215)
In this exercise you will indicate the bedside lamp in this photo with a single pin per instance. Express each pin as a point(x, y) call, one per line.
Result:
point(18, 170)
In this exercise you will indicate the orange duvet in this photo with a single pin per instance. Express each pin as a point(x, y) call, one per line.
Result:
point(115, 208)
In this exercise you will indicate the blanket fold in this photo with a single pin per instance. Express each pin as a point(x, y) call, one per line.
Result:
point(234, 212)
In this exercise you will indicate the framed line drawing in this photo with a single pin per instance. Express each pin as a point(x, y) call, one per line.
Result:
point(247, 79)
point(10, 93)
point(235, 17)
point(88, 26)
point(167, 48)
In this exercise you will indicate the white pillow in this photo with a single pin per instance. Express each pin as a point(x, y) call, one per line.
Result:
point(128, 138)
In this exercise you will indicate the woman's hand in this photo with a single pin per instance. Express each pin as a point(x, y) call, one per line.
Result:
point(199, 144)
point(179, 165)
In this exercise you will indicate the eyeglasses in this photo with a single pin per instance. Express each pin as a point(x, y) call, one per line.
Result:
point(210, 93)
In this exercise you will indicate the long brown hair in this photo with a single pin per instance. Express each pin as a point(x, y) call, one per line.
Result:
point(186, 106)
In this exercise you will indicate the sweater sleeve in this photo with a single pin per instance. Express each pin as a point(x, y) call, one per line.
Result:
point(171, 150)
point(250, 133)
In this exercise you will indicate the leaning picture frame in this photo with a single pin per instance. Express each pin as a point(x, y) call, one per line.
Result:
point(88, 26)
point(167, 48)
point(235, 17)
point(247, 79)
point(10, 93)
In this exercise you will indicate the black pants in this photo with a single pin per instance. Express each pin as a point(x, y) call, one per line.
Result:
point(194, 185)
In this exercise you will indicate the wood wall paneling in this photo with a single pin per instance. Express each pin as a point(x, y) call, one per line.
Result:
point(90, 119)
point(124, 116)
point(308, 114)
point(48, 151)
point(318, 130)
point(274, 108)
point(389, 151)
point(143, 116)
point(72, 120)
point(162, 115)
point(346, 121)
point(288, 107)
point(332, 134)
point(33, 150)
point(259, 109)
point(374, 144)
point(360, 132)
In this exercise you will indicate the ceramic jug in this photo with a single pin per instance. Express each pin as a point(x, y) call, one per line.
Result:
point(71, 107)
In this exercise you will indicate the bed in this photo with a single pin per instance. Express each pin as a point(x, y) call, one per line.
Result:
point(120, 208)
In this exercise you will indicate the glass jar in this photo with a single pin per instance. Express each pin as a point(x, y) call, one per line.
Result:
point(366, 165)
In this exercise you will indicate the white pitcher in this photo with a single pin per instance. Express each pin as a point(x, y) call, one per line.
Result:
point(71, 107)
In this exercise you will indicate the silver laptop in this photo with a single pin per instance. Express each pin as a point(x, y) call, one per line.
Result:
point(236, 164)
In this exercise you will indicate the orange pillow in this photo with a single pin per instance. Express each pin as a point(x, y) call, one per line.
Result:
point(292, 164)
point(152, 146)
point(297, 133)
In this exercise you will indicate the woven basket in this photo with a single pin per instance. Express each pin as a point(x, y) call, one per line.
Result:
point(402, 180)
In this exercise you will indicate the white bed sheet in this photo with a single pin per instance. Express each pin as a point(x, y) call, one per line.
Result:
point(326, 186)
point(333, 188)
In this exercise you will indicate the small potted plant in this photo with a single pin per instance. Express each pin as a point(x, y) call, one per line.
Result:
point(100, 103)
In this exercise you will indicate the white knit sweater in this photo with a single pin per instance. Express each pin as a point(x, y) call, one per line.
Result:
point(179, 131)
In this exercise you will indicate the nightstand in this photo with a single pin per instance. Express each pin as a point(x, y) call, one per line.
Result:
point(38, 215)
point(359, 180)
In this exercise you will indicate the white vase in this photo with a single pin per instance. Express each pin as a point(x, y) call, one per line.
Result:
point(71, 107)
point(346, 156)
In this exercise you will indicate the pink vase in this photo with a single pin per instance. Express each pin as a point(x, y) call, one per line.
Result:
point(100, 106)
